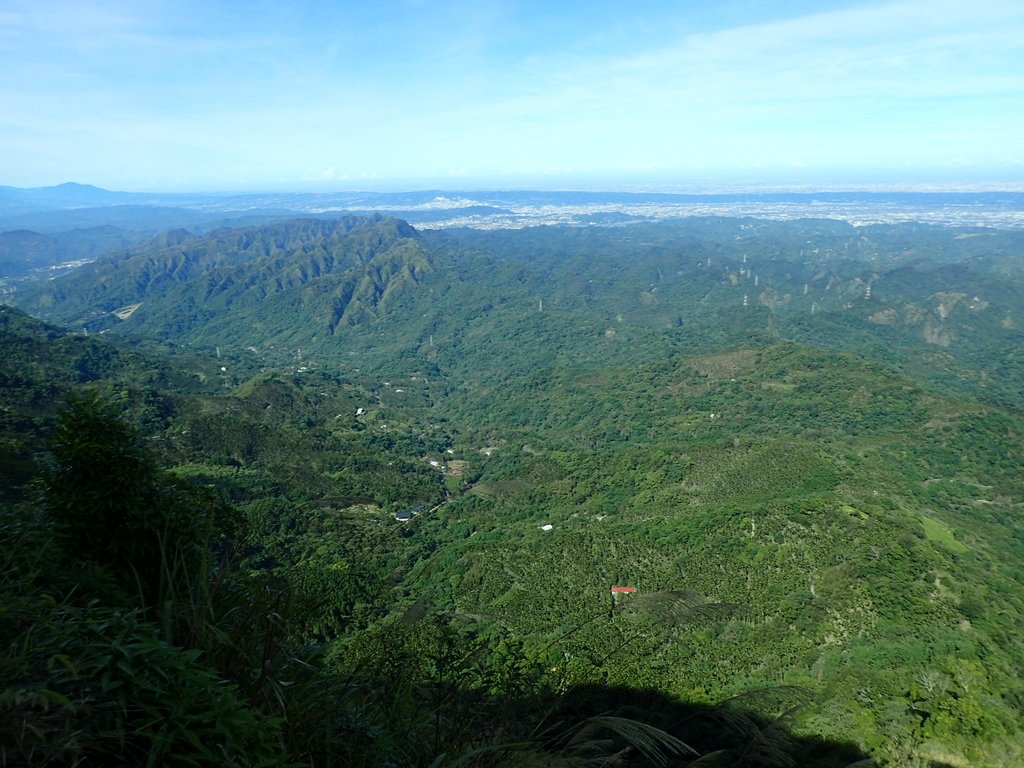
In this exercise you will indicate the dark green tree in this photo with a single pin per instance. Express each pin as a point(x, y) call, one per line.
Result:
point(113, 507)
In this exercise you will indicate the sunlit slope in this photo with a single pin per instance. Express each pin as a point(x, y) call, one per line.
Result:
point(263, 285)
point(945, 304)
point(863, 530)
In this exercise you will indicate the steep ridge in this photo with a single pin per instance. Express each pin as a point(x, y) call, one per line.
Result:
point(334, 273)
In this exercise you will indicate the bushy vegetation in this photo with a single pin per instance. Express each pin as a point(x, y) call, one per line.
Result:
point(394, 545)
point(141, 639)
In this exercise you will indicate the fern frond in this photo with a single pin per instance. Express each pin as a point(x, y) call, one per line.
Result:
point(585, 739)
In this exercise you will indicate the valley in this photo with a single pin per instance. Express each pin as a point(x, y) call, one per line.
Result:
point(798, 440)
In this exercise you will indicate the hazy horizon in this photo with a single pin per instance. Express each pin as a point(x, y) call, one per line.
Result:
point(608, 186)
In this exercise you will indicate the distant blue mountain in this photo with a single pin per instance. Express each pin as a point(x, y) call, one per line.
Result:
point(68, 195)
point(71, 195)
point(71, 206)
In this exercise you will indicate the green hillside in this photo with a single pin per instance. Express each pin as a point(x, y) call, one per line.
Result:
point(851, 514)
point(798, 441)
point(934, 301)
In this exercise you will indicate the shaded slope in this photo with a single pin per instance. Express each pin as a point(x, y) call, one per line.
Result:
point(41, 363)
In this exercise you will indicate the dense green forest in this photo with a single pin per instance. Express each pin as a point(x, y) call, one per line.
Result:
point(341, 492)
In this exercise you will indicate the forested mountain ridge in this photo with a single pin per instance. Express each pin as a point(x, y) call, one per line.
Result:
point(333, 272)
point(799, 441)
point(931, 299)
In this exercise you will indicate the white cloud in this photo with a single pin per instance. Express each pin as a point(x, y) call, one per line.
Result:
point(882, 83)
point(910, 48)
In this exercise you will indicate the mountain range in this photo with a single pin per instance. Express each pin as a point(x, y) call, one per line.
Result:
point(798, 441)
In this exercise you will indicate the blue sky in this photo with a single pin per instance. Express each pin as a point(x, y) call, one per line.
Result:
point(183, 95)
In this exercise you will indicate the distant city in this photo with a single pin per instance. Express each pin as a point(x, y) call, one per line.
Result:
point(524, 208)
point(435, 215)
point(61, 207)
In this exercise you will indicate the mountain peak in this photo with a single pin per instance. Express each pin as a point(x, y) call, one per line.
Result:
point(72, 186)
